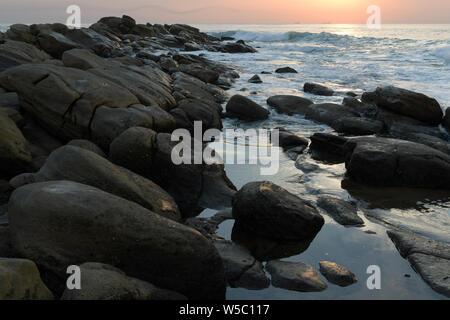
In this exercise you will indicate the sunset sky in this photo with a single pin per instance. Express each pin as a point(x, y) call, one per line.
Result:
point(229, 11)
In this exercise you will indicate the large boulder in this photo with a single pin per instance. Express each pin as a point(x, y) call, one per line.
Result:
point(20, 280)
point(104, 282)
point(55, 44)
point(15, 155)
point(357, 126)
point(64, 100)
point(289, 104)
point(393, 162)
point(190, 87)
point(86, 167)
point(430, 258)
point(200, 72)
point(273, 212)
point(328, 113)
point(14, 53)
point(92, 40)
point(150, 155)
point(243, 108)
point(188, 111)
point(409, 103)
point(237, 47)
point(79, 223)
point(317, 89)
point(21, 32)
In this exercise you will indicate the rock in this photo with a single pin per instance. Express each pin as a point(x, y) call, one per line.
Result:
point(430, 258)
point(14, 53)
point(200, 72)
point(109, 123)
point(151, 156)
point(288, 140)
point(9, 100)
point(245, 109)
point(169, 65)
point(365, 109)
point(55, 44)
point(328, 147)
point(104, 282)
point(446, 121)
point(286, 70)
point(295, 276)
point(342, 211)
point(83, 59)
point(357, 126)
point(86, 167)
point(65, 101)
point(148, 83)
point(194, 88)
point(408, 243)
point(20, 280)
point(192, 46)
point(337, 274)
point(409, 103)
point(241, 269)
point(236, 47)
point(92, 40)
point(317, 89)
point(433, 270)
point(190, 110)
point(392, 162)
point(289, 104)
point(328, 113)
point(113, 231)
point(271, 211)
point(20, 32)
point(255, 79)
point(425, 139)
point(88, 145)
point(15, 156)
point(143, 30)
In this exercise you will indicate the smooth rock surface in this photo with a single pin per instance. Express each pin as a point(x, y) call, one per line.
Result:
point(295, 276)
point(337, 274)
point(112, 231)
point(271, 211)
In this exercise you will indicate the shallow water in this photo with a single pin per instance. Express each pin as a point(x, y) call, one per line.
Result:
point(407, 56)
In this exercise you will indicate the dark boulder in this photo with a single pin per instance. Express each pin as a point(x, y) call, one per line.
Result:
point(286, 70)
point(289, 104)
point(342, 211)
point(243, 108)
point(317, 89)
point(357, 126)
point(329, 112)
point(79, 223)
point(393, 162)
point(409, 103)
point(271, 211)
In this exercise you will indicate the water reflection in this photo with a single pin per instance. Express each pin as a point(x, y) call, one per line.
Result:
point(265, 249)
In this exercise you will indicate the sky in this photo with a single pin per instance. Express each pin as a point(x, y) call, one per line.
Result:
point(228, 11)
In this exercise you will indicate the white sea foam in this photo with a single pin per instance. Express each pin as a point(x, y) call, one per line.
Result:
point(443, 53)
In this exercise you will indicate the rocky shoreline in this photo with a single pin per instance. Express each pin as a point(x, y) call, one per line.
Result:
point(86, 176)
